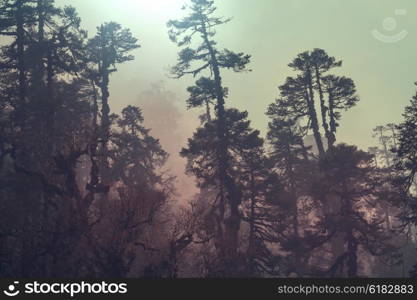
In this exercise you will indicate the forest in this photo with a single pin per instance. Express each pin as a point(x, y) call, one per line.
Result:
point(84, 192)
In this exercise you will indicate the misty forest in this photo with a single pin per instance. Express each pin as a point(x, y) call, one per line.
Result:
point(84, 188)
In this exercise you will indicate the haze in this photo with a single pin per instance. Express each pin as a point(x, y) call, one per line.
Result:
point(273, 32)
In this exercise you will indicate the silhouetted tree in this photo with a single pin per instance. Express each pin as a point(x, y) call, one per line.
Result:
point(322, 63)
point(312, 79)
point(341, 93)
point(110, 46)
point(244, 152)
point(49, 174)
point(302, 86)
point(201, 21)
point(138, 200)
point(348, 175)
point(406, 164)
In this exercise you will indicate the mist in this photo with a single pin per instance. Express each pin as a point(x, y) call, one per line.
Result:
point(208, 139)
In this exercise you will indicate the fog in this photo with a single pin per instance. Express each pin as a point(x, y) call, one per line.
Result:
point(273, 32)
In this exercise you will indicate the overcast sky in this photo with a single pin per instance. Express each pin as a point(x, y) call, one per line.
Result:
point(273, 32)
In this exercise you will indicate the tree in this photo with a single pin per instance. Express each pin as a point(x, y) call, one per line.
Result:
point(139, 199)
point(348, 174)
point(49, 174)
point(300, 229)
point(303, 85)
point(33, 157)
point(109, 47)
point(245, 149)
point(312, 80)
point(297, 106)
point(201, 21)
point(260, 186)
point(16, 15)
point(322, 63)
point(406, 164)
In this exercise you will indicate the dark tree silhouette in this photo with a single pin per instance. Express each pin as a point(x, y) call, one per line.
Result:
point(87, 192)
point(201, 21)
point(110, 46)
point(349, 175)
point(340, 92)
point(406, 164)
point(247, 163)
point(49, 176)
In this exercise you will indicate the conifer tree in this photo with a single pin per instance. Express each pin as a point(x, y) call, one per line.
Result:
point(201, 23)
point(110, 46)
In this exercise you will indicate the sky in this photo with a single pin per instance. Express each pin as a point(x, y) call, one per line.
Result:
point(375, 39)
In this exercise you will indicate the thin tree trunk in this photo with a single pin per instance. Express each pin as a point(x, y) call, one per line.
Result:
point(40, 69)
point(208, 113)
point(94, 171)
point(313, 114)
point(251, 246)
point(333, 127)
point(323, 109)
point(20, 43)
point(105, 123)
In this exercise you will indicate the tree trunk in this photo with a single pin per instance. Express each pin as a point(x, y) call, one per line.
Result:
point(39, 68)
point(333, 125)
point(352, 261)
point(294, 212)
point(232, 223)
point(323, 109)
point(313, 114)
point(208, 113)
point(251, 246)
point(20, 44)
point(105, 123)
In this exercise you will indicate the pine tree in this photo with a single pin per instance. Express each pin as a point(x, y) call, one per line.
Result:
point(140, 196)
point(201, 153)
point(348, 174)
point(406, 164)
point(16, 16)
point(201, 21)
point(312, 80)
point(110, 46)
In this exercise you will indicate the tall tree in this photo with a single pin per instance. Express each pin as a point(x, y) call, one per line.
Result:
point(110, 46)
point(16, 16)
point(201, 21)
point(322, 63)
point(304, 84)
point(139, 200)
point(406, 164)
point(300, 226)
point(201, 153)
point(349, 175)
